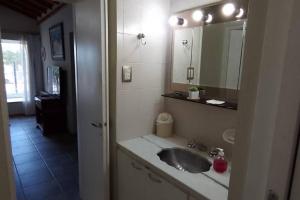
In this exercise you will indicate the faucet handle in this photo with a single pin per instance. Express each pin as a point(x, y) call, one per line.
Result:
point(191, 144)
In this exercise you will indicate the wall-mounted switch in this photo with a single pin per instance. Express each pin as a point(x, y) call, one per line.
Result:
point(126, 73)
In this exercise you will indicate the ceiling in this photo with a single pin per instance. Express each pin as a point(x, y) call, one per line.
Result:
point(36, 9)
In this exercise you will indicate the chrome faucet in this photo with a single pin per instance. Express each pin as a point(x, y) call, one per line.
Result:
point(215, 152)
point(194, 144)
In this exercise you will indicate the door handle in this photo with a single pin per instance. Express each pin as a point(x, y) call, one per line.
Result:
point(152, 178)
point(97, 125)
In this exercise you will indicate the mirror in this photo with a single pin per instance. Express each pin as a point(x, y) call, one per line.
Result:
point(209, 55)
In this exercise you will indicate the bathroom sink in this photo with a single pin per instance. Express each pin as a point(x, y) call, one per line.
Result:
point(184, 160)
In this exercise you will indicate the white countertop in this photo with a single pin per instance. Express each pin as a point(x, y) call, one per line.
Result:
point(210, 185)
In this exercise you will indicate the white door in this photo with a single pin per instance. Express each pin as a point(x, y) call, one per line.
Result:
point(159, 189)
point(91, 87)
point(135, 182)
point(131, 178)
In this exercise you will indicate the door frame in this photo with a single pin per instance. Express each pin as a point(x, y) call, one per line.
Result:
point(105, 89)
point(8, 188)
point(269, 102)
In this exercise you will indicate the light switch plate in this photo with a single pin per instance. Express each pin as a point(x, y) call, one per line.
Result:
point(126, 73)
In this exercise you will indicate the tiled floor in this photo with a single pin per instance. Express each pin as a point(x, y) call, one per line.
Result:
point(46, 168)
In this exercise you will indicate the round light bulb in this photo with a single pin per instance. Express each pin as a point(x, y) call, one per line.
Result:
point(173, 21)
point(241, 13)
point(209, 18)
point(185, 22)
point(228, 9)
point(197, 15)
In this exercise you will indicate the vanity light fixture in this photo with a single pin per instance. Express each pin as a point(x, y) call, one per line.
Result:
point(209, 18)
point(174, 21)
point(240, 13)
point(197, 15)
point(185, 22)
point(228, 9)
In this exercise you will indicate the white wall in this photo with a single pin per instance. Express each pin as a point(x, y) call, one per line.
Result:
point(202, 122)
point(64, 15)
point(180, 5)
point(15, 22)
point(269, 101)
point(139, 101)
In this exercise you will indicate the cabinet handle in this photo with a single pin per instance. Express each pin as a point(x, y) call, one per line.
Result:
point(135, 167)
point(152, 178)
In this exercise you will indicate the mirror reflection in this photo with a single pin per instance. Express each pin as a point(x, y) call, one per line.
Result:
point(209, 55)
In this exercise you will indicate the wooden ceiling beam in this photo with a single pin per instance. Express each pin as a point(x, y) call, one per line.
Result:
point(47, 3)
point(23, 6)
point(51, 12)
point(17, 9)
point(36, 5)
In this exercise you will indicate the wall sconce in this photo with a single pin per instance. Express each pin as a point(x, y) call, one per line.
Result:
point(141, 37)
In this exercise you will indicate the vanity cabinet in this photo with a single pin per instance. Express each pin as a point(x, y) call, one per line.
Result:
point(136, 182)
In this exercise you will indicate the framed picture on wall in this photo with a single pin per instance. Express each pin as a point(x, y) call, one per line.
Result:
point(56, 33)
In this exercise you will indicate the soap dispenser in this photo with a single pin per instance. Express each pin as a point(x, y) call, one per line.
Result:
point(219, 163)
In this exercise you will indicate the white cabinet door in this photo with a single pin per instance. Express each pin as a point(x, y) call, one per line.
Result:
point(131, 178)
point(159, 189)
point(135, 182)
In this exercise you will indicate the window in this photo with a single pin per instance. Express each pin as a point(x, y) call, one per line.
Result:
point(14, 70)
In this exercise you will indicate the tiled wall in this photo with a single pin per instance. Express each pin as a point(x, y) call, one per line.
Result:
point(202, 122)
point(139, 101)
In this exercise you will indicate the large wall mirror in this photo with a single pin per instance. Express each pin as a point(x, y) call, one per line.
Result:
point(210, 54)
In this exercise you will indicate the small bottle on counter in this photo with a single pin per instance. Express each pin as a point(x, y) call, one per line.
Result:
point(220, 164)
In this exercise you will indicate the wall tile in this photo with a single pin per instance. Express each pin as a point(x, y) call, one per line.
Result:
point(131, 49)
point(132, 16)
point(120, 16)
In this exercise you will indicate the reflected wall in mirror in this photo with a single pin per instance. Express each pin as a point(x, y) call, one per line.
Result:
point(222, 53)
point(187, 45)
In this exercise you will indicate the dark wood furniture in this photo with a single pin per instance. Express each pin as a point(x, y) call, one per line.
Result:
point(50, 114)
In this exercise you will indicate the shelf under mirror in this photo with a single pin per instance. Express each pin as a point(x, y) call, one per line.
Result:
point(203, 100)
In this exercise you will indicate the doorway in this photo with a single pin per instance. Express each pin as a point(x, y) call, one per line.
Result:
point(46, 162)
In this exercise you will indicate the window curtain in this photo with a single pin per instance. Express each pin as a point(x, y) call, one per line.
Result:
point(31, 61)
